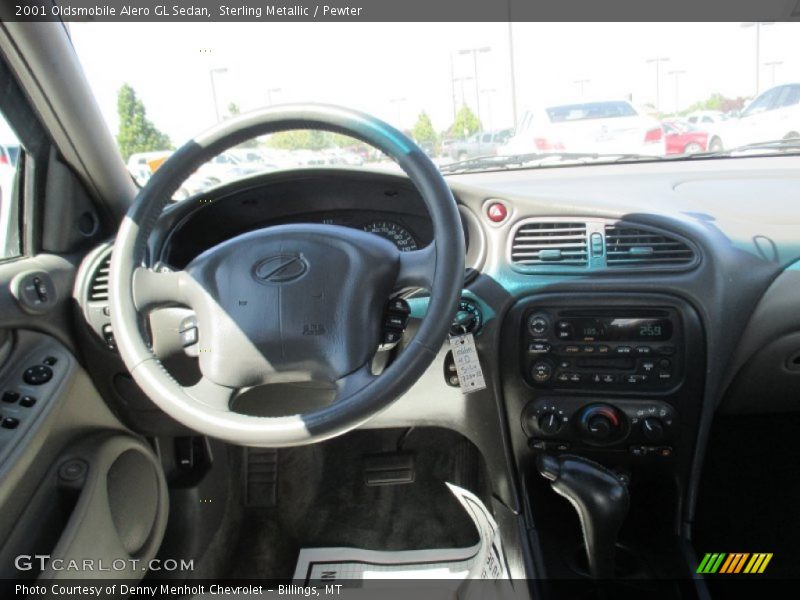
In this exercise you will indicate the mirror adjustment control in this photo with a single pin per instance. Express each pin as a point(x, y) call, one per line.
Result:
point(37, 375)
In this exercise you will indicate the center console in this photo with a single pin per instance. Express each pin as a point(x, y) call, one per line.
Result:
point(618, 351)
point(615, 379)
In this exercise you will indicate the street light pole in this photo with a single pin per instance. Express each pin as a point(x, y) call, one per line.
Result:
point(676, 75)
point(398, 101)
point(461, 80)
point(658, 60)
point(489, 92)
point(271, 91)
point(758, 26)
point(511, 65)
point(773, 64)
point(580, 83)
point(453, 87)
point(211, 73)
point(474, 52)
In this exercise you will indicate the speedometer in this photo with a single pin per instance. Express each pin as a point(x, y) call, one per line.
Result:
point(397, 234)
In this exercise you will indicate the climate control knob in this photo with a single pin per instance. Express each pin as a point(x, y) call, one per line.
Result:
point(550, 423)
point(601, 423)
point(653, 429)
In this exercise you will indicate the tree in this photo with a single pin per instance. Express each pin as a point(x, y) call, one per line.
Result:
point(423, 131)
point(717, 102)
point(465, 124)
point(299, 139)
point(136, 132)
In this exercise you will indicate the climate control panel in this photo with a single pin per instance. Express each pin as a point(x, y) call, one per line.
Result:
point(613, 349)
point(643, 427)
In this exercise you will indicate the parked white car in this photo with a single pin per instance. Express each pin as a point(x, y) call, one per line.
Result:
point(774, 115)
point(605, 127)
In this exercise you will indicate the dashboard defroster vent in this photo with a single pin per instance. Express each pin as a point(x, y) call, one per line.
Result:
point(98, 288)
point(550, 242)
point(635, 246)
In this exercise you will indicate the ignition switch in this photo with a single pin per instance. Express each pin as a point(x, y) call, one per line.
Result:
point(468, 319)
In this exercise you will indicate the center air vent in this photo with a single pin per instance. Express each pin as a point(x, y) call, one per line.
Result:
point(561, 243)
point(98, 288)
point(629, 246)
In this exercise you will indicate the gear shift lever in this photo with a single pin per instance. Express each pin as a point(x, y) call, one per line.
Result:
point(601, 499)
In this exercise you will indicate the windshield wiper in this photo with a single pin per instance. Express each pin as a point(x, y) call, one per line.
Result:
point(782, 145)
point(539, 159)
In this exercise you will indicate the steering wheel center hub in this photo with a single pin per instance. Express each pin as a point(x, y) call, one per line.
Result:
point(290, 303)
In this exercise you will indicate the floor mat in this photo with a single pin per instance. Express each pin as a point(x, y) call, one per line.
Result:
point(323, 502)
point(484, 560)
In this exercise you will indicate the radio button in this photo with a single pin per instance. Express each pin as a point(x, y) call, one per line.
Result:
point(665, 375)
point(623, 350)
point(603, 349)
point(538, 324)
point(575, 377)
point(648, 365)
point(542, 371)
point(609, 378)
point(666, 350)
point(596, 378)
point(635, 379)
point(564, 364)
point(664, 363)
point(563, 377)
point(644, 350)
point(572, 349)
point(587, 349)
point(539, 348)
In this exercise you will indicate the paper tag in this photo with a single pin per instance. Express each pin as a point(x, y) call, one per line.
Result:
point(468, 366)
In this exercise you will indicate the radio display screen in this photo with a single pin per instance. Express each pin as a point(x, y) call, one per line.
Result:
point(612, 329)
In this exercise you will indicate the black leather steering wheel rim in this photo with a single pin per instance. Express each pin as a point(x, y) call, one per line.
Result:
point(135, 287)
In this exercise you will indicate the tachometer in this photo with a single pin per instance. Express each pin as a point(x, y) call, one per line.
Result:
point(399, 235)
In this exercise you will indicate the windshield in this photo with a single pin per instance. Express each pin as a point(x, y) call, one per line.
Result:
point(523, 94)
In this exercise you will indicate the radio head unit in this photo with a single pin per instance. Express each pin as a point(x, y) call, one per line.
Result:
point(615, 349)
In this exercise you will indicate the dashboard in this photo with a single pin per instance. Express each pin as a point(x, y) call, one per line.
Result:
point(615, 310)
point(386, 206)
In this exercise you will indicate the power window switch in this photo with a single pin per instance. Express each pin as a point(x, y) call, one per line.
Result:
point(10, 423)
point(10, 397)
point(27, 401)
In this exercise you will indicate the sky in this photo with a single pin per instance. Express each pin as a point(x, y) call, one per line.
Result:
point(396, 70)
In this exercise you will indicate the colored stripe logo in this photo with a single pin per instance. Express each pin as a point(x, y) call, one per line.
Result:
point(736, 562)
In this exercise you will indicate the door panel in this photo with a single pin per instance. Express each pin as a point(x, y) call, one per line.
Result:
point(53, 415)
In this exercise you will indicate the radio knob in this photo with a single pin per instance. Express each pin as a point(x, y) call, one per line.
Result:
point(653, 429)
point(538, 324)
point(542, 371)
point(550, 423)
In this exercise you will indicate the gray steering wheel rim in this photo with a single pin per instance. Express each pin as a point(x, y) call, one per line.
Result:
point(130, 252)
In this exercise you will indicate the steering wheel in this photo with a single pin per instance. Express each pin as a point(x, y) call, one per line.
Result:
point(290, 302)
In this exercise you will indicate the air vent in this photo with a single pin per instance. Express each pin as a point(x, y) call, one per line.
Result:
point(98, 288)
point(628, 246)
point(558, 243)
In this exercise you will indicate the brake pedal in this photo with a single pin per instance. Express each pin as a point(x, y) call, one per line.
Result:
point(389, 468)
